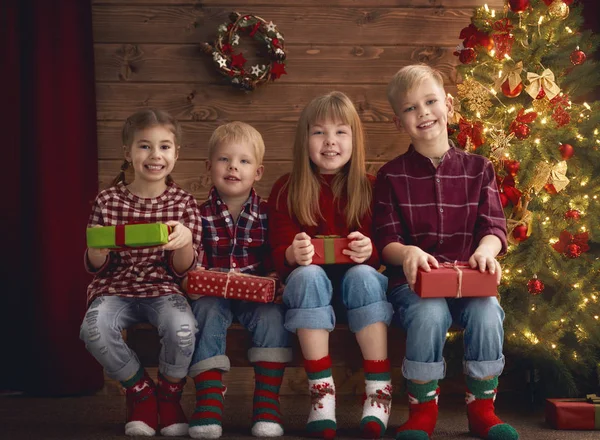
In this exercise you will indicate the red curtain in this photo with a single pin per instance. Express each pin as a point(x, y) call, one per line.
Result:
point(50, 129)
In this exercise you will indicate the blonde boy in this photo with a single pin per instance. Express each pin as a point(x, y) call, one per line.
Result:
point(437, 203)
point(234, 237)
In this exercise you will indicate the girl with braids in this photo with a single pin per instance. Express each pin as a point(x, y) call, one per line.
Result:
point(142, 285)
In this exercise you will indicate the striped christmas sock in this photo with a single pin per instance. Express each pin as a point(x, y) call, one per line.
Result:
point(321, 420)
point(483, 421)
point(422, 411)
point(266, 416)
point(377, 399)
point(207, 418)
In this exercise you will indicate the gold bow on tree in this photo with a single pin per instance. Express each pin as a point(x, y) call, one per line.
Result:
point(513, 75)
point(544, 81)
point(545, 173)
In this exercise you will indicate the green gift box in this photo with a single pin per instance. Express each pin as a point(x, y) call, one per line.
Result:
point(128, 236)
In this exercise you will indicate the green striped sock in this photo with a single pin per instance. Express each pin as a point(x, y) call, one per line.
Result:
point(207, 418)
point(266, 415)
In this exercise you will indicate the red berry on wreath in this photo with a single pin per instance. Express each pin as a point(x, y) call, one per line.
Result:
point(511, 93)
point(518, 5)
point(520, 233)
point(566, 151)
point(572, 214)
point(535, 286)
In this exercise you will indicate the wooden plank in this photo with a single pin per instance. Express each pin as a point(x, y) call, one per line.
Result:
point(497, 4)
point(191, 175)
point(309, 25)
point(273, 102)
point(384, 142)
point(305, 63)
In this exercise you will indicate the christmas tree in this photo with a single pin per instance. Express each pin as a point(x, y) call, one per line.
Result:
point(524, 70)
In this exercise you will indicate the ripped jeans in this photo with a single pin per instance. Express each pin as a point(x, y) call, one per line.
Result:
point(107, 316)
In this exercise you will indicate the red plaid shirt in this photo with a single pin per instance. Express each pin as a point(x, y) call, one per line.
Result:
point(444, 211)
point(241, 246)
point(140, 272)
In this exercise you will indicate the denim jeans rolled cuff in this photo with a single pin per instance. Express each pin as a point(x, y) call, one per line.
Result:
point(265, 354)
point(362, 317)
point(315, 318)
point(423, 371)
point(220, 362)
point(483, 369)
point(126, 371)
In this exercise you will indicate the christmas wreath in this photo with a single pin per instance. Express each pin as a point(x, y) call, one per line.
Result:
point(233, 65)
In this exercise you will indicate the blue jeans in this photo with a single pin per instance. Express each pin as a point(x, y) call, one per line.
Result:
point(270, 340)
point(309, 291)
point(427, 320)
point(107, 316)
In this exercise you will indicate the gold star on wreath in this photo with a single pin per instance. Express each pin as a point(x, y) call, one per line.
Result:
point(476, 95)
point(500, 143)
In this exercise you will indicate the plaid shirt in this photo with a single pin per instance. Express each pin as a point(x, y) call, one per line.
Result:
point(140, 272)
point(444, 211)
point(240, 246)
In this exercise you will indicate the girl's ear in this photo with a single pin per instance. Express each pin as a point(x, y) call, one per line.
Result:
point(127, 153)
point(177, 151)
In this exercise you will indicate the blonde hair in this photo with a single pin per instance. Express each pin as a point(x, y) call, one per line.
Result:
point(409, 77)
point(141, 120)
point(350, 182)
point(237, 132)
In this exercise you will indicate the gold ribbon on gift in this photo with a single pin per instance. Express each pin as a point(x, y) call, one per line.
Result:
point(459, 272)
point(513, 75)
point(545, 173)
point(595, 400)
point(328, 247)
point(545, 81)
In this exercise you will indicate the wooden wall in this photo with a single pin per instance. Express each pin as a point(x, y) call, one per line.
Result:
point(147, 54)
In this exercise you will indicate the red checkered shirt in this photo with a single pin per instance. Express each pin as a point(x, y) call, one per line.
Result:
point(141, 272)
point(241, 246)
point(444, 211)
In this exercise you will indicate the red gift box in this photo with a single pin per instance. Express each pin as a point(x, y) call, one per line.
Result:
point(232, 285)
point(455, 280)
point(328, 250)
point(580, 414)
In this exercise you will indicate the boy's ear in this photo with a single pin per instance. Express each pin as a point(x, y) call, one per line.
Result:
point(208, 165)
point(397, 123)
point(450, 105)
point(259, 173)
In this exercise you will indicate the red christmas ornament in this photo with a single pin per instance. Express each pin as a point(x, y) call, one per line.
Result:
point(541, 94)
point(485, 41)
point(512, 167)
point(568, 2)
point(518, 5)
point(548, 2)
point(573, 250)
point(535, 286)
point(572, 214)
point(549, 188)
point(520, 233)
point(577, 57)
point(521, 131)
point(467, 55)
point(511, 93)
point(566, 151)
point(504, 200)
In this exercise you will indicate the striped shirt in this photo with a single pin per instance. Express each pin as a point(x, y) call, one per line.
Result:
point(241, 245)
point(444, 211)
point(140, 272)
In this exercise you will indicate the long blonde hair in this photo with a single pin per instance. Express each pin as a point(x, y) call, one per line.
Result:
point(350, 182)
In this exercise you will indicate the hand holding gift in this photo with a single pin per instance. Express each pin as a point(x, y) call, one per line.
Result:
point(360, 247)
point(128, 236)
point(180, 236)
point(415, 259)
point(330, 249)
point(455, 280)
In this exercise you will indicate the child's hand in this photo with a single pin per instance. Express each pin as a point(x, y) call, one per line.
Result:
point(97, 257)
point(179, 238)
point(415, 258)
point(360, 248)
point(184, 285)
point(484, 258)
point(303, 249)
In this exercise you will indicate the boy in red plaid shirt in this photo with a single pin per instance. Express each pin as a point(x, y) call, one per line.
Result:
point(234, 228)
point(142, 285)
point(436, 202)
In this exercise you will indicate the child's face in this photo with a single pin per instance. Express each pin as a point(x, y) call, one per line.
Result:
point(234, 168)
point(423, 113)
point(152, 154)
point(329, 145)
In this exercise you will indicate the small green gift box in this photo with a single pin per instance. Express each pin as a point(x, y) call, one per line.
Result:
point(128, 236)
